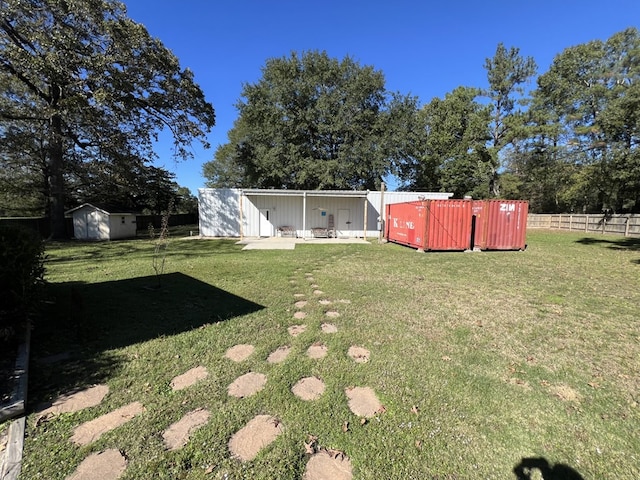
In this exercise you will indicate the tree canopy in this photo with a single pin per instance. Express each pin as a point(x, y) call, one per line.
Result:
point(84, 89)
point(313, 122)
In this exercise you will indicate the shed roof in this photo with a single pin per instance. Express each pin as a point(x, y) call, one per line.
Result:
point(104, 209)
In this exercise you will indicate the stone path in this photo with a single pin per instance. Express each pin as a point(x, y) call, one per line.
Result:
point(258, 432)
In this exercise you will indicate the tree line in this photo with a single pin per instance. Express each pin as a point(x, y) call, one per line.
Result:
point(566, 140)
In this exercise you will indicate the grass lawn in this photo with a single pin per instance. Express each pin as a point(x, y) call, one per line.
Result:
point(480, 359)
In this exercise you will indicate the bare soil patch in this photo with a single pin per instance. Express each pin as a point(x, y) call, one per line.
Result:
point(279, 355)
point(328, 466)
point(295, 330)
point(363, 401)
point(106, 465)
point(565, 392)
point(239, 353)
point(317, 351)
point(177, 435)
point(309, 388)
point(247, 385)
point(90, 431)
point(359, 354)
point(190, 377)
point(254, 436)
point(76, 401)
point(329, 328)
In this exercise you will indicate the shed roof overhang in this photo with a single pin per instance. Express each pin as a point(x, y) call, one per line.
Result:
point(306, 193)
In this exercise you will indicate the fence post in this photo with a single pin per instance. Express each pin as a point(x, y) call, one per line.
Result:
point(586, 224)
point(570, 223)
point(626, 226)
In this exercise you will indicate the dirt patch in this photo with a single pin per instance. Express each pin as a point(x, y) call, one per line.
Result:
point(279, 355)
point(239, 353)
point(309, 388)
point(329, 328)
point(328, 466)
point(177, 435)
point(254, 436)
point(295, 330)
point(90, 431)
point(332, 314)
point(190, 377)
point(363, 401)
point(565, 392)
point(76, 401)
point(359, 354)
point(317, 351)
point(106, 465)
point(247, 385)
point(300, 315)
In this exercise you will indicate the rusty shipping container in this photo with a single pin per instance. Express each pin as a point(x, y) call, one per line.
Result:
point(430, 224)
point(500, 224)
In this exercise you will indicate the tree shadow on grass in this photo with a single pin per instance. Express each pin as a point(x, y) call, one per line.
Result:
point(559, 471)
point(628, 243)
point(85, 323)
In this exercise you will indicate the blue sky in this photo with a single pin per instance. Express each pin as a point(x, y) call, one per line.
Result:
point(424, 48)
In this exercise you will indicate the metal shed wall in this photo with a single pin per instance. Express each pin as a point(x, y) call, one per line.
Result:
point(122, 225)
point(219, 212)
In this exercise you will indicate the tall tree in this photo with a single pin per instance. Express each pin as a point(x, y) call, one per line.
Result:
point(455, 157)
point(314, 122)
point(94, 81)
point(507, 72)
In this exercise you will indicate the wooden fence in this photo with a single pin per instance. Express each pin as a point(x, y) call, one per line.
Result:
point(627, 225)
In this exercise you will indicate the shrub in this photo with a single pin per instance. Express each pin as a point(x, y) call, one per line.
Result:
point(21, 275)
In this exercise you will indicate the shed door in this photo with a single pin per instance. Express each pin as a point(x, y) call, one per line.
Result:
point(266, 227)
point(344, 222)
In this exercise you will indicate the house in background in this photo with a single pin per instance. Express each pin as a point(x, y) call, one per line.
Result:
point(94, 223)
point(250, 212)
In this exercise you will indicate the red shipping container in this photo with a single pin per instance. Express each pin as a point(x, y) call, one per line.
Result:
point(506, 225)
point(430, 224)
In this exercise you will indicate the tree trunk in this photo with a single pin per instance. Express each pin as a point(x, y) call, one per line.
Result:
point(56, 180)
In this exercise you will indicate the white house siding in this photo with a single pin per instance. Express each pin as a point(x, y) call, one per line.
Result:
point(220, 212)
point(122, 225)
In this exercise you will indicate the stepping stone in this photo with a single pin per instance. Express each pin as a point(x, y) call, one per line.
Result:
point(309, 388)
point(359, 354)
point(300, 304)
point(247, 385)
point(308, 274)
point(300, 315)
point(344, 301)
point(295, 330)
point(299, 295)
point(238, 353)
point(91, 431)
point(318, 292)
point(329, 328)
point(314, 285)
point(254, 436)
point(332, 314)
point(76, 401)
point(324, 302)
point(279, 355)
point(363, 401)
point(328, 466)
point(190, 377)
point(317, 350)
point(177, 435)
point(106, 465)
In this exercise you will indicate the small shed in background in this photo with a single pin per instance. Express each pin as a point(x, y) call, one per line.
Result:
point(94, 223)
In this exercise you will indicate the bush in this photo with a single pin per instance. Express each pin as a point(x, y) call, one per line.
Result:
point(21, 275)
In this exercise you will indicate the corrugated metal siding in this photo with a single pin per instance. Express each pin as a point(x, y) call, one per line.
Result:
point(506, 225)
point(219, 212)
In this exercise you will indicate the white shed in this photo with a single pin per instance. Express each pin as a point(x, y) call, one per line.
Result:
point(252, 212)
point(94, 223)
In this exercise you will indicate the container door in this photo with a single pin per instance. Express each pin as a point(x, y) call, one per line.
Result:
point(266, 227)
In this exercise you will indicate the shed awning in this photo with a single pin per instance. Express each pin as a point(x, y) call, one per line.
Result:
point(306, 193)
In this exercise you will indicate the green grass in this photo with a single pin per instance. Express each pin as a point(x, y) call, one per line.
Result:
point(506, 355)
